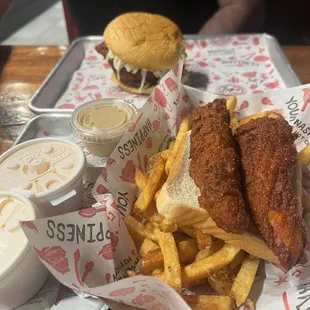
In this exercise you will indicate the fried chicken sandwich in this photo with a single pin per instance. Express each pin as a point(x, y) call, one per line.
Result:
point(141, 48)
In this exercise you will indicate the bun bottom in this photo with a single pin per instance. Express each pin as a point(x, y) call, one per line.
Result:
point(132, 90)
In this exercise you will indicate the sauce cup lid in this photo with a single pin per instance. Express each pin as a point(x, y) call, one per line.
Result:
point(103, 120)
point(45, 167)
point(13, 242)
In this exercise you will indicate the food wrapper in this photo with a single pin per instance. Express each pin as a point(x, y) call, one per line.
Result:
point(90, 250)
point(236, 65)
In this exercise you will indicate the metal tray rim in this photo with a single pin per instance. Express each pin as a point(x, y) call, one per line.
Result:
point(35, 119)
point(39, 111)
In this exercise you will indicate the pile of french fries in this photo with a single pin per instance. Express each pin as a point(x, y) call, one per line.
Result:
point(185, 257)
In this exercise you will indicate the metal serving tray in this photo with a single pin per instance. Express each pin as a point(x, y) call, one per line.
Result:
point(45, 98)
point(55, 125)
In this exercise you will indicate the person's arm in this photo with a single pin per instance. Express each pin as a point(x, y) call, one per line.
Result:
point(236, 16)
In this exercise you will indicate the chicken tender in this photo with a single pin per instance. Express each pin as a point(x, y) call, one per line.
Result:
point(268, 157)
point(215, 167)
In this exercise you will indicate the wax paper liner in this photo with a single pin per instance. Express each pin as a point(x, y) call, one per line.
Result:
point(89, 249)
point(237, 65)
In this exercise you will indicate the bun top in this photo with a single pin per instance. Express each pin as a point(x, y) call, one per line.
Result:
point(144, 40)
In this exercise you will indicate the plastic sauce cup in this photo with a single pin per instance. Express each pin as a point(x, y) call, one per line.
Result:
point(100, 124)
point(21, 272)
point(48, 171)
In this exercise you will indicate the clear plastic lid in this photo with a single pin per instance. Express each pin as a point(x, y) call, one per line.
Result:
point(13, 242)
point(41, 166)
point(103, 120)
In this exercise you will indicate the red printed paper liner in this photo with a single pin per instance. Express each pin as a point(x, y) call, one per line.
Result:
point(234, 65)
point(87, 250)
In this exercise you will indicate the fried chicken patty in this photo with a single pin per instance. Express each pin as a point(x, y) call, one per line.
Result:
point(128, 78)
point(268, 157)
point(215, 166)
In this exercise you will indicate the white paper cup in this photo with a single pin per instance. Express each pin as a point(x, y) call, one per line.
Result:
point(21, 272)
point(49, 171)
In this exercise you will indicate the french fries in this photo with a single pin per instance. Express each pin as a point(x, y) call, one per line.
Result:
point(137, 230)
point(147, 246)
point(151, 186)
point(154, 259)
point(304, 155)
point(203, 240)
point(237, 260)
point(201, 269)
point(140, 178)
point(221, 282)
point(231, 105)
point(245, 278)
point(172, 268)
point(183, 256)
point(209, 302)
point(187, 251)
point(184, 127)
point(167, 226)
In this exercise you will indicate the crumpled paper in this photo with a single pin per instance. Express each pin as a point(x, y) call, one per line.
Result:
point(90, 249)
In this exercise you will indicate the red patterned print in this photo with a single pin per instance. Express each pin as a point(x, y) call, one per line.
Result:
point(106, 252)
point(244, 105)
point(98, 95)
point(281, 280)
point(160, 98)
point(104, 174)
point(102, 190)
point(285, 301)
point(256, 41)
point(202, 64)
point(67, 106)
point(170, 83)
point(108, 277)
point(91, 58)
point(91, 212)
point(176, 70)
point(122, 292)
point(266, 101)
point(203, 43)
point(272, 85)
point(56, 257)
point(134, 124)
point(143, 299)
point(250, 74)
point(156, 125)
point(242, 38)
point(128, 172)
point(31, 226)
point(306, 98)
point(114, 239)
point(90, 87)
point(221, 41)
point(148, 143)
point(261, 58)
point(111, 161)
point(189, 46)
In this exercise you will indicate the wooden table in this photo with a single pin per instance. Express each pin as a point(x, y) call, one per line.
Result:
point(23, 69)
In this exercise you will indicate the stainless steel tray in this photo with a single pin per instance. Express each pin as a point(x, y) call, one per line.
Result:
point(57, 125)
point(45, 98)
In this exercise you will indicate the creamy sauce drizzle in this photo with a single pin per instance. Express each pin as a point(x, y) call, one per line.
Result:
point(119, 65)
